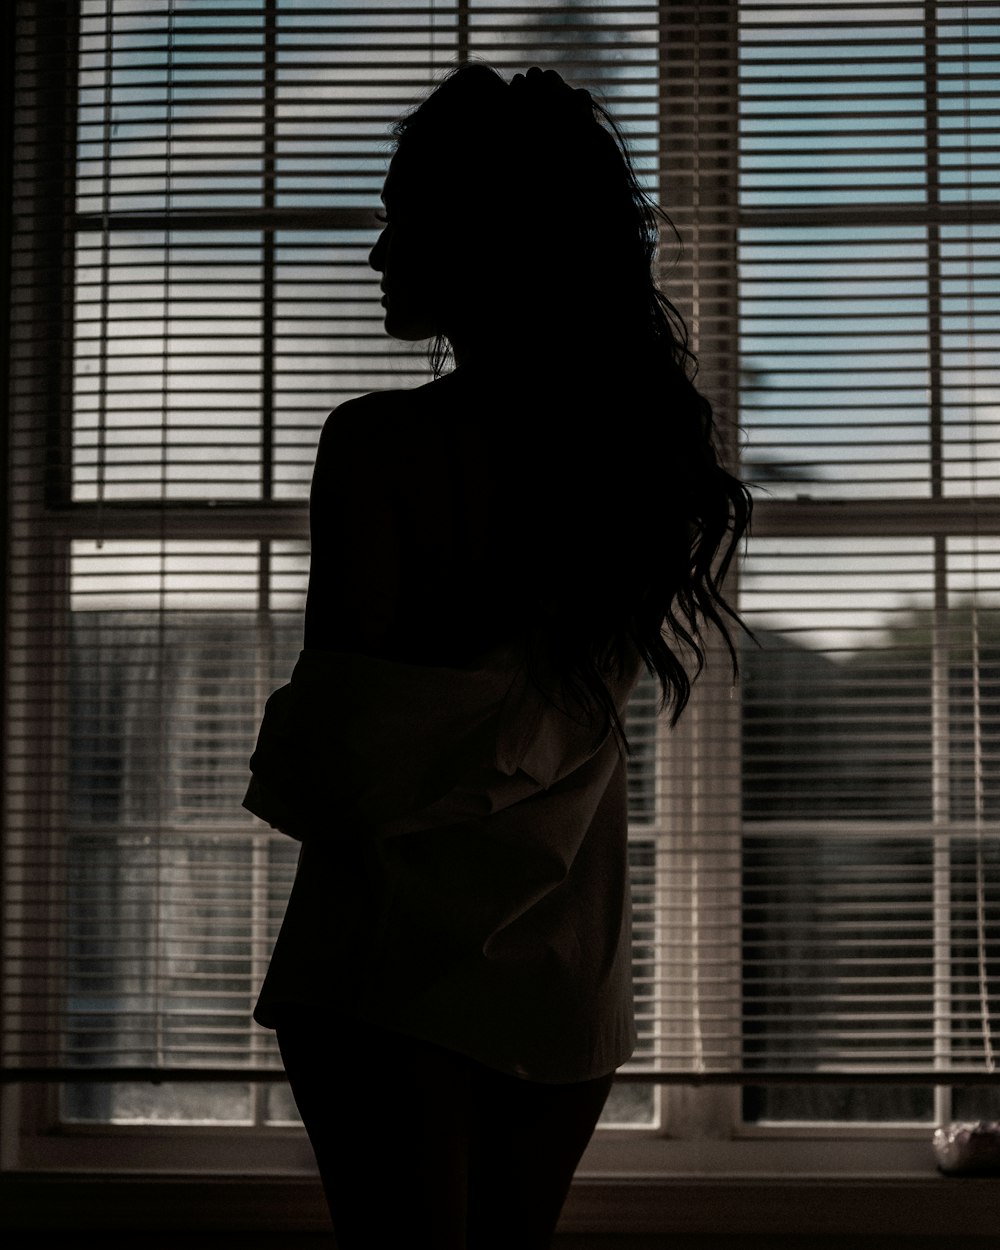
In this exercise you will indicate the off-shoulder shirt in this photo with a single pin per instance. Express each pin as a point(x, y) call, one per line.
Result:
point(463, 871)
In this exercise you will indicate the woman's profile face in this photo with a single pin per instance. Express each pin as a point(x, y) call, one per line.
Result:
point(405, 255)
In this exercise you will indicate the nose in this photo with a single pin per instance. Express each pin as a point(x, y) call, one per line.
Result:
point(376, 257)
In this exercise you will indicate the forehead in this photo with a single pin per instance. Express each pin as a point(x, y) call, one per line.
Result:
point(402, 178)
point(390, 184)
point(396, 187)
point(420, 175)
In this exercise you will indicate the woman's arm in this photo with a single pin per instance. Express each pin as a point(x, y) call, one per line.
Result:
point(354, 569)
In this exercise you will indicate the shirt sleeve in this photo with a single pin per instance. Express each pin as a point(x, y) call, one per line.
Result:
point(360, 742)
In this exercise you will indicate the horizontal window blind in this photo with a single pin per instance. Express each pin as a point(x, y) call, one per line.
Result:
point(213, 172)
point(814, 852)
point(870, 874)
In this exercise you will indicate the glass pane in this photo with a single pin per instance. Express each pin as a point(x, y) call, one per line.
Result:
point(837, 690)
point(829, 113)
point(971, 643)
point(345, 73)
point(171, 107)
point(612, 49)
point(838, 1104)
point(643, 726)
point(968, 51)
point(130, 1102)
point(970, 352)
point(159, 949)
point(975, 1102)
point(630, 1103)
point(167, 396)
point(171, 892)
point(328, 341)
point(838, 969)
point(635, 1103)
point(280, 1106)
point(975, 959)
point(835, 361)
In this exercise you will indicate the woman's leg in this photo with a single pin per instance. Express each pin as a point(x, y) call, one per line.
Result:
point(527, 1140)
point(422, 1148)
point(388, 1119)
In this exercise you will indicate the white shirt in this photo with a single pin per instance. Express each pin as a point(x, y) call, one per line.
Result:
point(463, 875)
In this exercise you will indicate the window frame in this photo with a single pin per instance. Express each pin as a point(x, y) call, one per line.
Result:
point(662, 1166)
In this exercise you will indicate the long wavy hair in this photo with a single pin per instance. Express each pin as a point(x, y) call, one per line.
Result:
point(547, 243)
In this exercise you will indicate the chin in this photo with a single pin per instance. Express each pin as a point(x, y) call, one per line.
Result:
point(408, 328)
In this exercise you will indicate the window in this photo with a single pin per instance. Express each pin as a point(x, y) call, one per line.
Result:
point(815, 855)
point(868, 214)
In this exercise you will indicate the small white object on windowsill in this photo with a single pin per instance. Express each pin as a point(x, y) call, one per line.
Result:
point(971, 1149)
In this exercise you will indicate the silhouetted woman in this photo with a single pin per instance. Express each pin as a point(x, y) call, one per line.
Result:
point(495, 557)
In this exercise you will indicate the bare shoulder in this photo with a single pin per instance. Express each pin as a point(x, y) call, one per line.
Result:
point(421, 428)
point(365, 419)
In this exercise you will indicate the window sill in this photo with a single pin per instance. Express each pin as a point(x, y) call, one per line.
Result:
point(927, 1205)
point(831, 1206)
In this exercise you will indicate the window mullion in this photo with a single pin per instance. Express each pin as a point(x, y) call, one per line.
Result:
point(268, 285)
point(699, 858)
point(940, 634)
